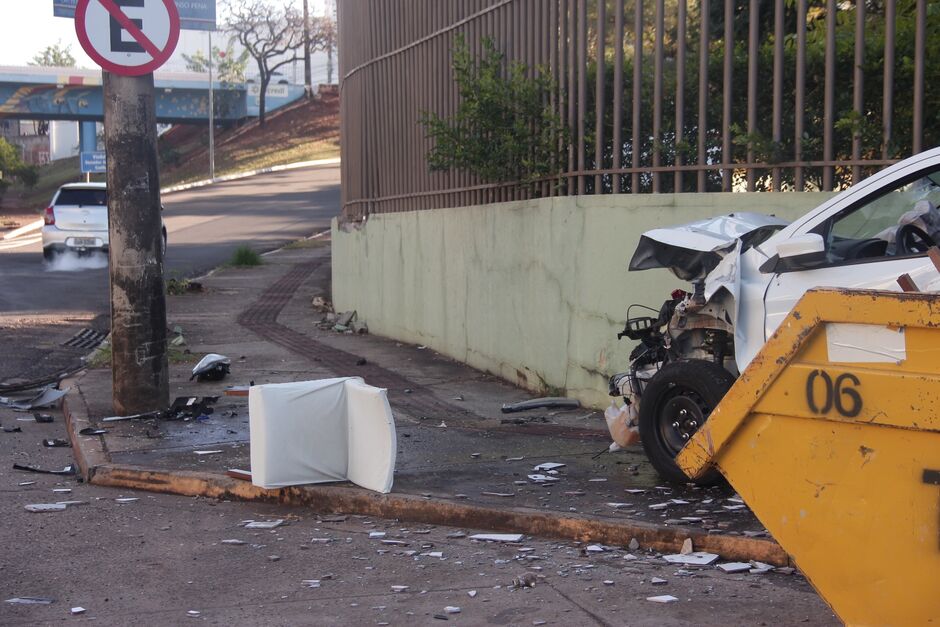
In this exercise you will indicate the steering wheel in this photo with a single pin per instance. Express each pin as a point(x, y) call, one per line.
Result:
point(912, 240)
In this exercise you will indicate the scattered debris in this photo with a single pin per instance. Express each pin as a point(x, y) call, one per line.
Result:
point(189, 407)
point(128, 499)
point(24, 483)
point(149, 414)
point(68, 470)
point(213, 452)
point(548, 466)
point(514, 459)
point(212, 367)
point(471, 593)
point(274, 558)
point(193, 613)
point(452, 609)
point(663, 598)
point(526, 580)
point(658, 581)
point(551, 402)
point(687, 547)
point(760, 568)
point(92, 431)
point(634, 544)
point(311, 583)
point(608, 582)
point(543, 479)
point(45, 507)
point(78, 610)
point(12, 430)
point(235, 473)
point(497, 537)
point(500, 494)
point(321, 305)
point(734, 567)
point(62, 490)
point(698, 558)
point(595, 548)
point(34, 399)
point(30, 601)
point(233, 542)
point(55, 443)
point(376, 535)
point(264, 524)
point(43, 418)
point(399, 588)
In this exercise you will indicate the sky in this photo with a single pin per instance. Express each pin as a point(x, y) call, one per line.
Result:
point(28, 26)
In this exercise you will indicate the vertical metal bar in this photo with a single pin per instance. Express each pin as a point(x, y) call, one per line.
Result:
point(680, 91)
point(617, 143)
point(887, 104)
point(582, 86)
point(829, 95)
point(703, 46)
point(753, 33)
point(599, 96)
point(778, 87)
point(920, 37)
point(799, 90)
point(858, 86)
point(572, 94)
point(658, 92)
point(726, 157)
point(637, 92)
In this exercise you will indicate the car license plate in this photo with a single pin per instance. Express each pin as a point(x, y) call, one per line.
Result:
point(85, 242)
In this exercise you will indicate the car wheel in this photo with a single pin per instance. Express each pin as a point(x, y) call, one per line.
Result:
point(675, 404)
point(49, 254)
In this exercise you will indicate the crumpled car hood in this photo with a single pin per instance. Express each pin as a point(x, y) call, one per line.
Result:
point(693, 250)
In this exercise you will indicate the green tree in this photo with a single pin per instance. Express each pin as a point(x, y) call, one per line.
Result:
point(12, 168)
point(227, 67)
point(504, 129)
point(55, 55)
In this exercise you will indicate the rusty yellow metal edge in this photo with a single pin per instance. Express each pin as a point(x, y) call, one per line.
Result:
point(818, 306)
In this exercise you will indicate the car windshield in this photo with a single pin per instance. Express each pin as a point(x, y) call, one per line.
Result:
point(82, 197)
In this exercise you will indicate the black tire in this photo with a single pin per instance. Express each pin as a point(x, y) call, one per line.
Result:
point(683, 393)
point(49, 254)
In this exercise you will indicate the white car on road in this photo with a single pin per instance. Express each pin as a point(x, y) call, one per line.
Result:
point(747, 271)
point(76, 221)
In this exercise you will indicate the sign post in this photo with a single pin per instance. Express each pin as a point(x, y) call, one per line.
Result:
point(129, 39)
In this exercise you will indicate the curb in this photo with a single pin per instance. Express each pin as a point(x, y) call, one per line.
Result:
point(96, 468)
point(246, 174)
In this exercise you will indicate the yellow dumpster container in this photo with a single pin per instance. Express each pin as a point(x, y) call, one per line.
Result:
point(832, 438)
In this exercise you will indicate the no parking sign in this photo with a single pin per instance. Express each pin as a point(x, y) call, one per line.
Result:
point(128, 37)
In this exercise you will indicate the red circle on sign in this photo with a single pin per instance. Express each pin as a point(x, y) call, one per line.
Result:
point(127, 70)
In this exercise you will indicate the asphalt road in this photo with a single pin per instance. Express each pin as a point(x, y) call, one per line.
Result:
point(41, 307)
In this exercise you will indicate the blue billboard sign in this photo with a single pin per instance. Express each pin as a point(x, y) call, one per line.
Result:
point(93, 162)
point(194, 14)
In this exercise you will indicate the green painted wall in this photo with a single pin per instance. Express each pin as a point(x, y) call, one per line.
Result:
point(532, 291)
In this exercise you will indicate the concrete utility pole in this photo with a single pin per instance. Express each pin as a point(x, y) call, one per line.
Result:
point(138, 304)
point(308, 83)
point(211, 115)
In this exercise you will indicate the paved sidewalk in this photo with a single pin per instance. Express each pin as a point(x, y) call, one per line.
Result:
point(455, 445)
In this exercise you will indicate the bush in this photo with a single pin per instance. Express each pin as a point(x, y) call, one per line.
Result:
point(245, 256)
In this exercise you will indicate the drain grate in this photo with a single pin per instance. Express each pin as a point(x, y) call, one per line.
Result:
point(86, 339)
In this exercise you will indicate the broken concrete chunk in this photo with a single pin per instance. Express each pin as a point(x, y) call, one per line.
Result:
point(760, 568)
point(734, 567)
point(345, 318)
point(686, 547)
point(658, 581)
point(698, 558)
point(634, 544)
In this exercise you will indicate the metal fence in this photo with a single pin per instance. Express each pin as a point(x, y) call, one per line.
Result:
point(658, 96)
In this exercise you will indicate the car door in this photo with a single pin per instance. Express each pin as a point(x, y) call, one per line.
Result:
point(861, 251)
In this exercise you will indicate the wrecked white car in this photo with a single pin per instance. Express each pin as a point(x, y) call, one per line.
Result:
point(747, 271)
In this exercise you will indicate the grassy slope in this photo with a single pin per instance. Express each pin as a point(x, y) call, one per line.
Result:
point(305, 131)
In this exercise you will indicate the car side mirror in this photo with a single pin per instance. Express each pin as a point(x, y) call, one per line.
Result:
point(797, 253)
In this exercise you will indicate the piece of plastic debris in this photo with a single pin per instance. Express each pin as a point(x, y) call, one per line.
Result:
point(595, 548)
point(212, 367)
point(548, 466)
point(552, 402)
point(698, 558)
point(92, 431)
point(634, 491)
point(25, 483)
point(145, 415)
point(207, 452)
point(452, 609)
point(630, 557)
point(34, 399)
point(526, 580)
point(734, 508)
point(456, 534)
point(395, 542)
point(62, 490)
point(471, 593)
point(43, 418)
point(12, 430)
point(193, 613)
point(597, 480)
point(658, 581)
point(687, 547)
point(45, 507)
point(663, 598)
point(128, 499)
point(55, 443)
point(618, 505)
point(233, 542)
point(500, 494)
point(438, 554)
point(68, 470)
point(760, 568)
point(30, 601)
point(658, 506)
point(514, 459)
point(264, 524)
point(274, 558)
point(543, 479)
point(498, 537)
point(734, 567)
point(78, 610)
point(399, 588)
point(311, 583)
point(375, 535)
